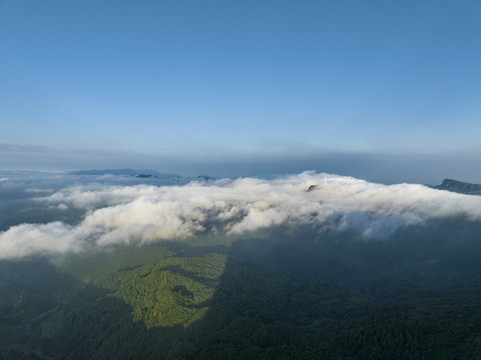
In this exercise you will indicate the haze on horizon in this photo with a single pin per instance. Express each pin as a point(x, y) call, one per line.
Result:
point(383, 91)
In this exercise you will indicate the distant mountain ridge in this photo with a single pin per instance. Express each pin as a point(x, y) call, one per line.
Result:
point(143, 173)
point(459, 187)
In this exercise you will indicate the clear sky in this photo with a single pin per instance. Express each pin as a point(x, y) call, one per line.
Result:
point(193, 86)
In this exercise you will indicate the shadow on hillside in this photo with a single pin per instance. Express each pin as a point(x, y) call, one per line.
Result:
point(253, 312)
point(418, 292)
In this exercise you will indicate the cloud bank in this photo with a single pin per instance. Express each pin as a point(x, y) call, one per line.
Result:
point(141, 213)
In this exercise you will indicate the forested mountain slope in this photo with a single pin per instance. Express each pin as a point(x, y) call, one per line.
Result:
point(289, 295)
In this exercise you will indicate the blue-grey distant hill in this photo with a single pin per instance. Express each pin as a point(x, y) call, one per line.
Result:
point(459, 187)
point(142, 173)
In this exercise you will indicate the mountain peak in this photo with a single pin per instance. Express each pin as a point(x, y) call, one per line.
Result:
point(459, 187)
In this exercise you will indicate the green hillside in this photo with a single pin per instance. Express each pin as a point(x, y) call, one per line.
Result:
point(415, 296)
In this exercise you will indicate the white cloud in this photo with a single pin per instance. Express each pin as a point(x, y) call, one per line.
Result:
point(29, 239)
point(142, 213)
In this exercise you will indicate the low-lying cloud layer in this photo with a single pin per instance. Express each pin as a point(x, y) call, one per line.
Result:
point(143, 213)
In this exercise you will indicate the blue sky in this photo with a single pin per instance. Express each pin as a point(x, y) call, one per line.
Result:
point(193, 86)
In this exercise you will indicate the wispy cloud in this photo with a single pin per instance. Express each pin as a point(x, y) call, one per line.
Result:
point(144, 214)
point(6, 145)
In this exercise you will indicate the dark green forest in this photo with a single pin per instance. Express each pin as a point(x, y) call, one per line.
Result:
point(291, 294)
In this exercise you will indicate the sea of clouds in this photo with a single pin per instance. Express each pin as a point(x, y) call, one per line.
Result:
point(119, 211)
